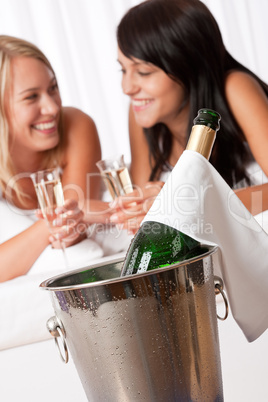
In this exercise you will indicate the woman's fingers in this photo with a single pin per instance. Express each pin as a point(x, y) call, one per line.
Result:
point(68, 205)
point(126, 211)
point(97, 211)
point(69, 234)
point(68, 208)
point(131, 213)
point(69, 218)
point(68, 215)
point(68, 225)
point(68, 241)
point(150, 189)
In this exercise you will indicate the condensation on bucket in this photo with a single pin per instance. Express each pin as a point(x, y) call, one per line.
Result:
point(150, 337)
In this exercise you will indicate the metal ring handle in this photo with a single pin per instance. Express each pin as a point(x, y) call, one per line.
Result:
point(219, 289)
point(64, 358)
point(56, 329)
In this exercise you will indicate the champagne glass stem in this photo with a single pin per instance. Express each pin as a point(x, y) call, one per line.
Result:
point(63, 248)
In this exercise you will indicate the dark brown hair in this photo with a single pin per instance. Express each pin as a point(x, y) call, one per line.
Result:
point(183, 39)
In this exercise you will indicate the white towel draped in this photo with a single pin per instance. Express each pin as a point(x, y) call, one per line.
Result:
point(197, 201)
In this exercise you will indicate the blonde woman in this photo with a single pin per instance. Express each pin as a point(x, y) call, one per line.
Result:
point(37, 132)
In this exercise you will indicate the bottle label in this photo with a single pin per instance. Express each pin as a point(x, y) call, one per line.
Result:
point(131, 264)
point(144, 262)
point(177, 246)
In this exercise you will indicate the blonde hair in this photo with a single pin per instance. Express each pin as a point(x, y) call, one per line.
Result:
point(11, 47)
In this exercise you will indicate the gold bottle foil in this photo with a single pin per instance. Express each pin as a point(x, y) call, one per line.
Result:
point(201, 140)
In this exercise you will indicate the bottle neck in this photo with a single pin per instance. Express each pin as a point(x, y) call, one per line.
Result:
point(201, 140)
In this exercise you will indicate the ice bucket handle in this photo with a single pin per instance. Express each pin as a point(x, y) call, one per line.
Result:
point(218, 283)
point(56, 329)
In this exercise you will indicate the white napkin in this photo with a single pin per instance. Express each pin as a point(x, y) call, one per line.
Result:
point(198, 202)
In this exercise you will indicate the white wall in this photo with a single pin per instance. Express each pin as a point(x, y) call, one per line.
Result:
point(244, 28)
point(78, 36)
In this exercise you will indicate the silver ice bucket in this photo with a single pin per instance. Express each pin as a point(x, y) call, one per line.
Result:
point(145, 337)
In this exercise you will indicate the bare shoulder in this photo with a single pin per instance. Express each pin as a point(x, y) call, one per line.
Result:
point(246, 99)
point(80, 131)
point(239, 83)
point(79, 126)
point(74, 117)
point(249, 105)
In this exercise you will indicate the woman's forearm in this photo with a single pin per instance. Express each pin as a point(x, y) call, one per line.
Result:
point(20, 252)
point(255, 198)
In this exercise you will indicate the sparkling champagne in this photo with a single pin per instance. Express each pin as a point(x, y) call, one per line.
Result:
point(156, 245)
point(50, 196)
point(48, 188)
point(117, 181)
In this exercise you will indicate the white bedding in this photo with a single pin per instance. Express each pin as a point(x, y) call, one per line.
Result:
point(24, 307)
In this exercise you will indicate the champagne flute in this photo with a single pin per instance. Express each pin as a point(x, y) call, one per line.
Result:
point(116, 176)
point(48, 188)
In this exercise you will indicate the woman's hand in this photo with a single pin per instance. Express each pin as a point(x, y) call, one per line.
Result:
point(97, 211)
point(67, 226)
point(131, 209)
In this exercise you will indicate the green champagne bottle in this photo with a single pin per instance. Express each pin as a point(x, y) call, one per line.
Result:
point(157, 245)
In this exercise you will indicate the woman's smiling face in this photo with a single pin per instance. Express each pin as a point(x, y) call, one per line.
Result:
point(155, 97)
point(33, 105)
